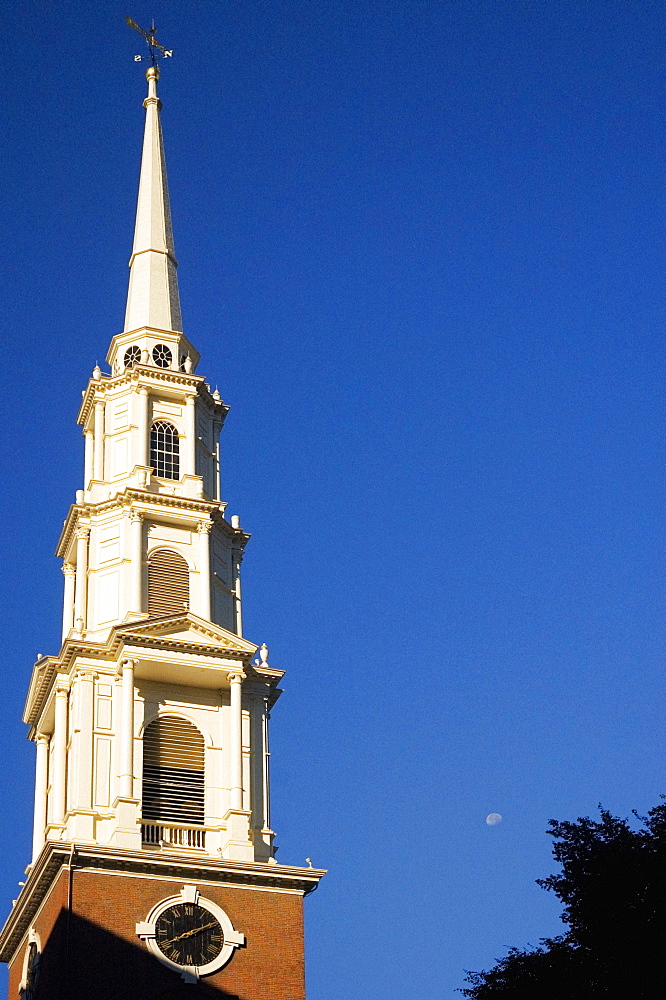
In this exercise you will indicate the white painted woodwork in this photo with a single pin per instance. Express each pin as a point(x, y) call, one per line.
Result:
point(126, 785)
point(58, 785)
point(235, 742)
point(81, 587)
point(89, 732)
point(69, 572)
point(41, 785)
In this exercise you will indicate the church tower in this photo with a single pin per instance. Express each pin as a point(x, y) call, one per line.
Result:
point(153, 871)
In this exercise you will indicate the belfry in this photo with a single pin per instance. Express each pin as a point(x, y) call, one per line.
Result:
point(153, 871)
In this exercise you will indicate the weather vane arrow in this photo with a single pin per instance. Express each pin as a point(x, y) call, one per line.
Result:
point(155, 50)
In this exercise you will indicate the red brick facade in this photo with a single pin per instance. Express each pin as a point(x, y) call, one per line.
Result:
point(90, 950)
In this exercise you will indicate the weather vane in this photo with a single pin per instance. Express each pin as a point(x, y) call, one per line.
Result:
point(156, 50)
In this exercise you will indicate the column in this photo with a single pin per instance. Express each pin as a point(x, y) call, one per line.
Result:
point(217, 427)
point(82, 701)
point(41, 784)
point(88, 458)
point(265, 717)
point(136, 560)
point(81, 593)
point(68, 600)
point(58, 786)
point(98, 458)
point(189, 466)
point(236, 741)
point(142, 428)
point(204, 569)
point(237, 590)
point(127, 738)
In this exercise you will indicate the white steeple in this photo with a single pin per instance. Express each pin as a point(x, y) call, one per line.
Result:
point(152, 298)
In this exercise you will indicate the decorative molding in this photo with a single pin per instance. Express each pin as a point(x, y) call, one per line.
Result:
point(56, 856)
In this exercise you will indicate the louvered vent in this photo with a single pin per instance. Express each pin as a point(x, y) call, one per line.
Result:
point(168, 583)
point(173, 772)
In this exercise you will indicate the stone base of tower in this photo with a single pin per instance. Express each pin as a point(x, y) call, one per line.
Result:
point(79, 912)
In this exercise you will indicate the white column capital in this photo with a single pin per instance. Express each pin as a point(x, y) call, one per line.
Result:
point(203, 527)
point(69, 569)
point(42, 738)
point(236, 677)
point(135, 516)
point(83, 533)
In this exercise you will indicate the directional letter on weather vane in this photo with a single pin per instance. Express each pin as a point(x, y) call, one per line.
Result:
point(154, 48)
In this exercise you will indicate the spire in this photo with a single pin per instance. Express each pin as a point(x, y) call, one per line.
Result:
point(152, 299)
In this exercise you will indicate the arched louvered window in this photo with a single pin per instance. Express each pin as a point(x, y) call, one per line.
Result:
point(168, 583)
point(173, 772)
point(164, 450)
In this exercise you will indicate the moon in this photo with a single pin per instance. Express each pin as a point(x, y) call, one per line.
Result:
point(493, 819)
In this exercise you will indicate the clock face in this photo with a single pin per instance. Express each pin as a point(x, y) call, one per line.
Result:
point(189, 935)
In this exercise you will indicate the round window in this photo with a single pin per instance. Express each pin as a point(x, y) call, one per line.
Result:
point(132, 356)
point(162, 356)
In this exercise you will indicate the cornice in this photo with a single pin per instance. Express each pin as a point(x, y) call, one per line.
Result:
point(142, 376)
point(55, 857)
point(149, 504)
point(130, 634)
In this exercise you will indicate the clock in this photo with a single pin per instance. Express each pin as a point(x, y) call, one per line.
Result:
point(190, 934)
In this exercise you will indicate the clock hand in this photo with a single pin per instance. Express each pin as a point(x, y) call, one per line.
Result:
point(185, 934)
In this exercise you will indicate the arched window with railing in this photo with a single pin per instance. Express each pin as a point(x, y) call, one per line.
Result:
point(164, 450)
point(168, 583)
point(173, 782)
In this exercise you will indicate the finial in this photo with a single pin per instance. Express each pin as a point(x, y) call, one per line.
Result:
point(217, 397)
point(263, 654)
point(97, 372)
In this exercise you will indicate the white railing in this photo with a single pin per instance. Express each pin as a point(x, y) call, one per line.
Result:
point(168, 835)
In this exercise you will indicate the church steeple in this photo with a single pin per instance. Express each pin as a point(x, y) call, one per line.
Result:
point(152, 298)
point(151, 723)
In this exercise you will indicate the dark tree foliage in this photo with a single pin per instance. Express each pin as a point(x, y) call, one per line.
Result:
point(613, 886)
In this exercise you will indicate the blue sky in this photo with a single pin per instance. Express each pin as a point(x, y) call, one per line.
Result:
point(422, 254)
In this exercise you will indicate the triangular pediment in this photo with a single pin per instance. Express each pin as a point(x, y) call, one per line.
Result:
point(188, 628)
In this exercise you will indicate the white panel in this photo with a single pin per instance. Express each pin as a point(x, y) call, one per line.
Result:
point(120, 457)
point(120, 416)
point(172, 409)
point(107, 597)
point(162, 533)
point(109, 543)
point(221, 560)
point(104, 713)
point(104, 690)
point(102, 771)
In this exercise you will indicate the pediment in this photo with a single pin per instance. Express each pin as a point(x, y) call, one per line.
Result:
point(187, 628)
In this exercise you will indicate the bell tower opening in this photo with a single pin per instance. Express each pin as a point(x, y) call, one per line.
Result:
point(168, 583)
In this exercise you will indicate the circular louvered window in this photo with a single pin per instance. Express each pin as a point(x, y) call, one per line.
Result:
point(132, 356)
point(162, 356)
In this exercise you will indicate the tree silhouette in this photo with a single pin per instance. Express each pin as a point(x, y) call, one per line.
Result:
point(613, 886)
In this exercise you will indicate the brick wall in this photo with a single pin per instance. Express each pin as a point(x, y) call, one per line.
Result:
point(93, 952)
